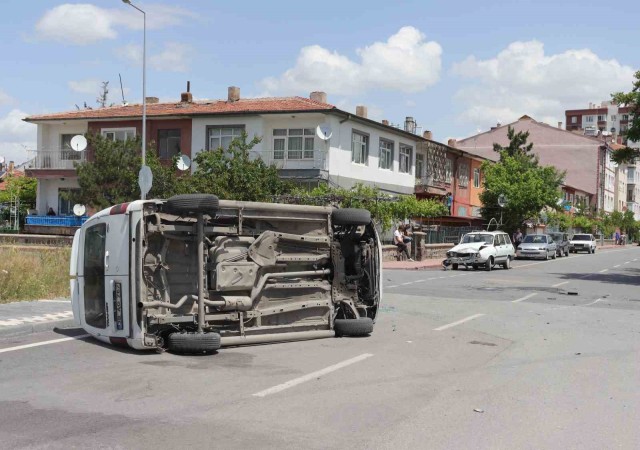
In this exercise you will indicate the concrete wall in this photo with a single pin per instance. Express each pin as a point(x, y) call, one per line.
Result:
point(47, 194)
point(49, 135)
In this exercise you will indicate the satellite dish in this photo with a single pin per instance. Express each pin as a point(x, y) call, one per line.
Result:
point(502, 200)
point(324, 132)
point(78, 143)
point(79, 209)
point(184, 162)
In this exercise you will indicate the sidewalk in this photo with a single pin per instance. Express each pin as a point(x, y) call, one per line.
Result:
point(21, 318)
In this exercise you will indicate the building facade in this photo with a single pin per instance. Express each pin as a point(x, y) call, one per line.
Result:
point(607, 117)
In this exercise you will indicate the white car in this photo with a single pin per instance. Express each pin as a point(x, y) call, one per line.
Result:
point(482, 249)
point(582, 243)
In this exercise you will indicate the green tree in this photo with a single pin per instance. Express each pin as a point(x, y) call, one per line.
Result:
point(234, 174)
point(527, 186)
point(111, 175)
point(631, 99)
point(22, 188)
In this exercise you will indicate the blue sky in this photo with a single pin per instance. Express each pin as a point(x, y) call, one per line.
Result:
point(456, 67)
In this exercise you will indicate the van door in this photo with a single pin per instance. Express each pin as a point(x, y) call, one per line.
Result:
point(116, 268)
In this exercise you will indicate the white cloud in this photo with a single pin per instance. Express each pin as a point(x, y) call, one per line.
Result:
point(82, 24)
point(16, 135)
point(521, 79)
point(405, 62)
point(174, 57)
point(89, 86)
point(5, 98)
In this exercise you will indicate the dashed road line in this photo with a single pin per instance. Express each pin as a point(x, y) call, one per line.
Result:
point(617, 266)
point(466, 319)
point(592, 303)
point(560, 284)
point(627, 262)
point(35, 319)
point(524, 298)
point(39, 344)
point(311, 376)
point(604, 270)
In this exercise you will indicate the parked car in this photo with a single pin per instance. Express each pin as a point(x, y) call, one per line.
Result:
point(192, 273)
point(537, 246)
point(582, 243)
point(562, 243)
point(482, 249)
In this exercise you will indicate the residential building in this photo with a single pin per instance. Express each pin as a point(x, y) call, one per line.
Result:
point(359, 150)
point(590, 172)
point(606, 117)
point(633, 190)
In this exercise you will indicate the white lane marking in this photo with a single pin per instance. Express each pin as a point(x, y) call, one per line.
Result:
point(393, 286)
point(627, 262)
point(560, 284)
point(636, 259)
point(604, 270)
point(466, 319)
point(311, 376)
point(38, 344)
point(617, 266)
point(419, 281)
point(592, 303)
point(55, 301)
point(404, 284)
point(44, 318)
point(524, 298)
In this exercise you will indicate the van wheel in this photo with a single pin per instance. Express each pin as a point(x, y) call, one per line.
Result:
point(507, 263)
point(193, 342)
point(186, 204)
point(363, 326)
point(350, 216)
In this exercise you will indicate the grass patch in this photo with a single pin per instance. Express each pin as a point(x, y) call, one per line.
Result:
point(33, 273)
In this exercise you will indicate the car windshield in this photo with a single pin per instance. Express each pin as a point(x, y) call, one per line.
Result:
point(581, 237)
point(472, 238)
point(534, 239)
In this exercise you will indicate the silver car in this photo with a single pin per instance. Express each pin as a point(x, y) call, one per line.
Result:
point(537, 246)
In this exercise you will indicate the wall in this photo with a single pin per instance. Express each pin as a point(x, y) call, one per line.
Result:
point(474, 193)
point(462, 193)
point(47, 193)
point(49, 133)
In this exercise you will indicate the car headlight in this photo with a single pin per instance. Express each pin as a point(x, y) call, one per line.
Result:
point(478, 255)
point(449, 254)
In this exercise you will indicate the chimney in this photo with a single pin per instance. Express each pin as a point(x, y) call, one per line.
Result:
point(428, 135)
point(410, 124)
point(186, 97)
point(361, 111)
point(560, 125)
point(452, 143)
point(152, 100)
point(234, 94)
point(10, 168)
point(385, 122)
point(318, 96)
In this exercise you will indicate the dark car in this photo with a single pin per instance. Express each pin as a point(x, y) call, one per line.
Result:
point(562, 243)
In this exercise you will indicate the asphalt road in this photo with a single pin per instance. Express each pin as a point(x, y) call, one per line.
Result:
point(486, 360)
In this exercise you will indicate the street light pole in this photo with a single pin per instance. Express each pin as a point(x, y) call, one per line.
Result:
point(144, 87)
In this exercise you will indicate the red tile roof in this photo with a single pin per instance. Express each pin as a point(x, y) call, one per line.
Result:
point(213, 107)
point(6, 176)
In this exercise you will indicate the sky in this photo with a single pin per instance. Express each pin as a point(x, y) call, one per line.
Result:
point(457, 67)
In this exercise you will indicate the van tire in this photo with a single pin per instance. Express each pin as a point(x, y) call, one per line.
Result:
point(186, 204)
point(193, 342)
point(350, 216)
point(363, 326)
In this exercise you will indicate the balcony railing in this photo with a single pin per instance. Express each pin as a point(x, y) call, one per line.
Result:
point(282, 159)
point(56, 221)
point(61, 159)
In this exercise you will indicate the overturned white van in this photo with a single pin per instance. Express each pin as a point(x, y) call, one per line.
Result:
point(193, 273)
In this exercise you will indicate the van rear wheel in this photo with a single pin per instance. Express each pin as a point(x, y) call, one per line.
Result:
point(190, 342)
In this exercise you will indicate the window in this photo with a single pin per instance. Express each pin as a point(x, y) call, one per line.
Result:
point(448, 170)
point(95, 311)
point(574, 119)
point(589, 119)
point(294, 143)
point(222, 136)
point(168, 143)
point(386, 154)
point(625, 117)
point(476, 178)
point(119, 134)
point(613, 117)
point(406, 158)
point(463, 174)
point(419, 165)
point(602, 117)
point(65, 206)
point(359, 148)
point(66, 152)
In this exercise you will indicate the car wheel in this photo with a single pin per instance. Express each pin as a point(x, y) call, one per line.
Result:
point(475, 266)
point(362, 326)
point(350, 216)
point(546, 256)
point(489, 264)
point(193, 342)
point(593, 250)
point(185, 204)
point(554, 255)
point(566, 253)
point(507, 263)
point(454, 267)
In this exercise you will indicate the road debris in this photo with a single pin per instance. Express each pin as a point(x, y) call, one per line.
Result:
point(478, 410)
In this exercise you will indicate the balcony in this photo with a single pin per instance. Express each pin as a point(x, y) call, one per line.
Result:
point(287, 160)
point(58, 159)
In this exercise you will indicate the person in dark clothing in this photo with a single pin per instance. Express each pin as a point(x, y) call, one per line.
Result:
point(398, 240)
point(51, 212)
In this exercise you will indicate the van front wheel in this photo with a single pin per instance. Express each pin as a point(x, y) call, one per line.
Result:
point(186, 204)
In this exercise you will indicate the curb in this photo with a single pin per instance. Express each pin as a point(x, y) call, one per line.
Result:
point(23, 330)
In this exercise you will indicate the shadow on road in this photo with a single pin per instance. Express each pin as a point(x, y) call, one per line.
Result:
point(630, 277)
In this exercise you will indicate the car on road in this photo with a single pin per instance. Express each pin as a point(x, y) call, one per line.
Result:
point(537, 246)
point(582, 242)
point(562, 243)
point(482, 249)
point(194, 273)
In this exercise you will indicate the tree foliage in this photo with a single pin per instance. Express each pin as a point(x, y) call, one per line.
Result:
point(527, 186)
point(24, 188)
point(631, 99)
point(234, 174)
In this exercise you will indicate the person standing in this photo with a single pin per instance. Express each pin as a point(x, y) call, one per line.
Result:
point(617, 237)
point(398, 240)
point(517, 238)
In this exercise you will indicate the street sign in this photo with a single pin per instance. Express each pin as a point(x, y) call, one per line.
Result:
point(145, 180)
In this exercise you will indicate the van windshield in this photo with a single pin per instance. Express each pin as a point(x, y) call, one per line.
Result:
point(473, 238)
point(581, 237)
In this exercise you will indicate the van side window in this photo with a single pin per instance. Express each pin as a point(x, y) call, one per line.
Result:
point(94, 295)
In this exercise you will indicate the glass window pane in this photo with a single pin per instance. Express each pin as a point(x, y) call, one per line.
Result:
point(308, 143)
point(94, 287)
point(227, 131)
point(214, 132)
point(309, 132)
point(279, 132)
point(226, 141)
point(295, 132)
point(295, 143)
